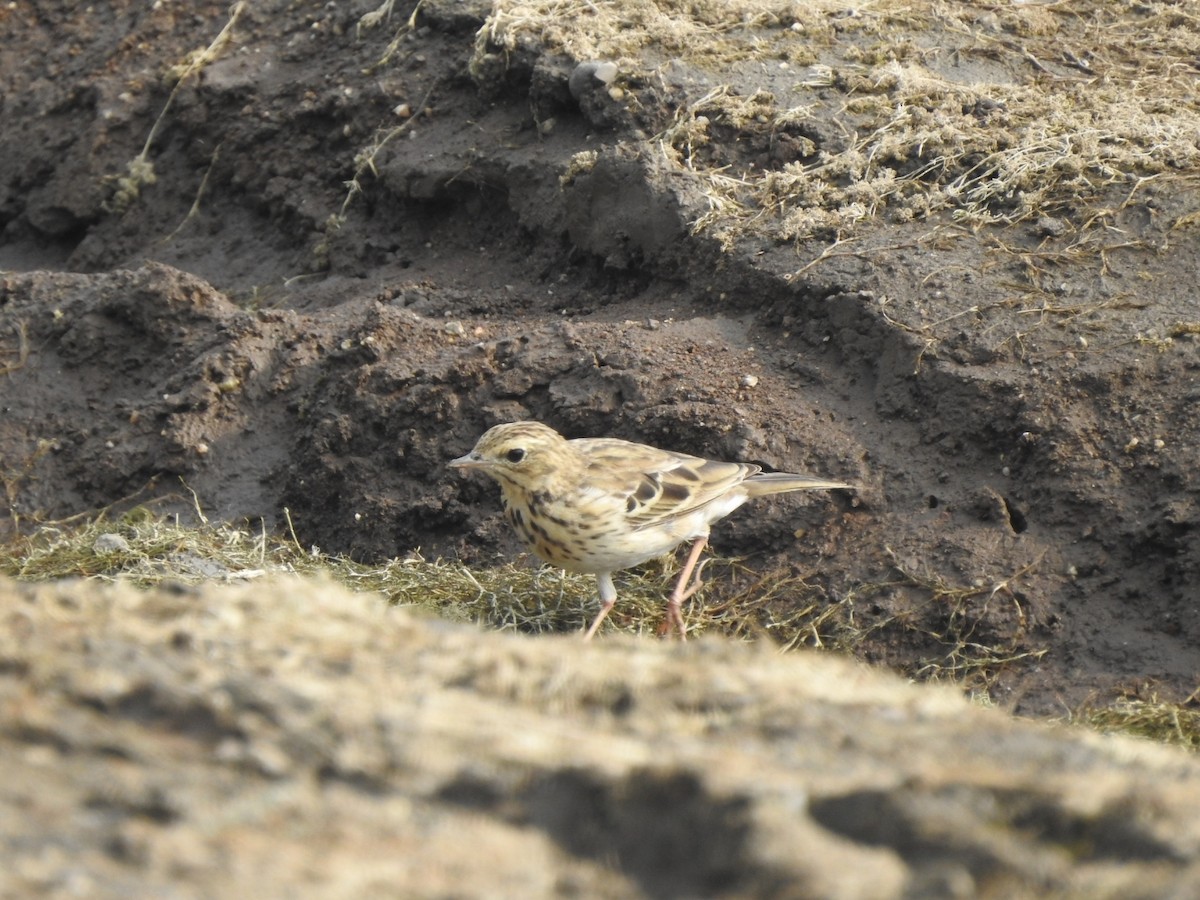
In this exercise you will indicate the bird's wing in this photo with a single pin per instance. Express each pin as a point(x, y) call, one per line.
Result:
point(654, 486)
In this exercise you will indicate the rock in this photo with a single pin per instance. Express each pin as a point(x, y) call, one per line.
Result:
point(588, 76)
point(292, 738)
point(110, 543)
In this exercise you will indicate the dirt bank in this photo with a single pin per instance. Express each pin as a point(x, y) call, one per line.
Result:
point(361, 246)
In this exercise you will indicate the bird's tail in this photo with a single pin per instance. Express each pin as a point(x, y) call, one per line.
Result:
point(781, 482)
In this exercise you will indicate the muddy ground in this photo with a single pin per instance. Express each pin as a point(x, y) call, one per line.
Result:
point(296, 313)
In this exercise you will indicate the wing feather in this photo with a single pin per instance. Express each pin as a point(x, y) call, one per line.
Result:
point(654, 487)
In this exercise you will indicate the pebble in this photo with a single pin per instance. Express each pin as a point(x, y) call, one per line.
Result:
point(586, 74)
point(110, 543)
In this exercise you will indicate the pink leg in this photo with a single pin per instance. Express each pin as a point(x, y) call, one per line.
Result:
point(674, 614)
point(608, 596)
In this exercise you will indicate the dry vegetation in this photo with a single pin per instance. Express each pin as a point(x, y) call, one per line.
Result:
point(147, 550)
point(930, 118)
point(125, 189)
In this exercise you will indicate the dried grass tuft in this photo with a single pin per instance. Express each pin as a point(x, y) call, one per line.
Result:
point(990, 116)
point(1158, 720)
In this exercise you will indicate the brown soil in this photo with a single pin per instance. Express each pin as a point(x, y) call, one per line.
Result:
point(1017, 402)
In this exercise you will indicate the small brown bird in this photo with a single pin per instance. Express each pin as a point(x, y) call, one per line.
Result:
point(599, 505)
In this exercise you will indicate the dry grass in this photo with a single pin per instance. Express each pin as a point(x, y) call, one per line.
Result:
point(147, 550)
point(1158, 720)
point(984, 114)
point(127, 188)
point(698, 30)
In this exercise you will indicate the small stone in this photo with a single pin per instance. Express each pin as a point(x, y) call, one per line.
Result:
point(110, 543)
point(588, 75)
point(1051, 227)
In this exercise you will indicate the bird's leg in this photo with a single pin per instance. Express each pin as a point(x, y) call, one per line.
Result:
point(608, 596)
point(697, 582)
point(674, 615)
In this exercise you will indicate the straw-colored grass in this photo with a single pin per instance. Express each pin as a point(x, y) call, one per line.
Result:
point(1158, 720)
point(988, 115)
point(149, 550)
point(125, 189)
point(146, 549)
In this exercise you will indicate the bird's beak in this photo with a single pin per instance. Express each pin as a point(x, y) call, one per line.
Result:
point(470, 461)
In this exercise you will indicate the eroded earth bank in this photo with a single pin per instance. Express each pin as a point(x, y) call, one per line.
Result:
point(297, 256)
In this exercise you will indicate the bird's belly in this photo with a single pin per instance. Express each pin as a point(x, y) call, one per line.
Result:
point(616, 548)
point(600, 544)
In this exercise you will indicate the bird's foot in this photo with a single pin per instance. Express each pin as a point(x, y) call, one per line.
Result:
point(674, 605)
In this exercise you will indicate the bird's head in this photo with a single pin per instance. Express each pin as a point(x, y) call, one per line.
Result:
point(523, 454)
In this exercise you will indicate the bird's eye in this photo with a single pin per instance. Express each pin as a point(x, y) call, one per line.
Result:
point(515, 455)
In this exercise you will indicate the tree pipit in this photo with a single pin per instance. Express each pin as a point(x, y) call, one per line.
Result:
point(599, 505)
